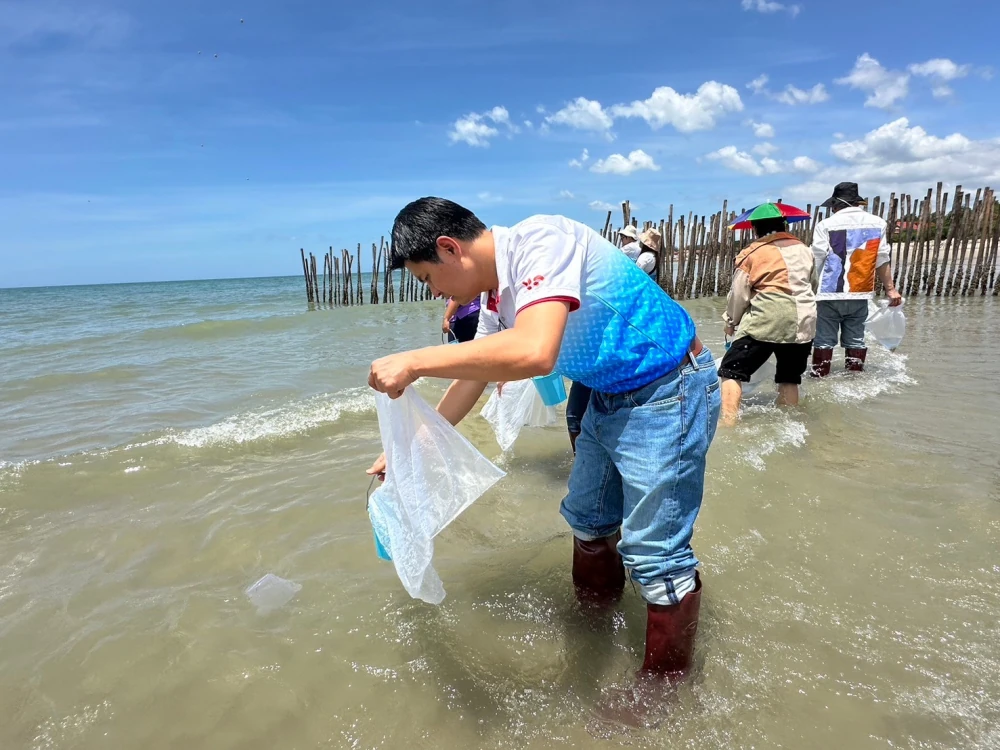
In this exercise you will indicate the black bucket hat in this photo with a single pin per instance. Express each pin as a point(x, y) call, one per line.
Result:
point(846, 193)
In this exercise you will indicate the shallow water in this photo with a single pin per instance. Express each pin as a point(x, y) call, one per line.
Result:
point(164, 446)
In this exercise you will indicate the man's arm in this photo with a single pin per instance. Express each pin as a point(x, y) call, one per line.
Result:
point(449, 313)
point(528, 349)
point(820, 247)
point(885, 276)
point(738, 300)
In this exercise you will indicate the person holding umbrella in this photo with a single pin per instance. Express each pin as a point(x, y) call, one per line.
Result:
point(771, 307)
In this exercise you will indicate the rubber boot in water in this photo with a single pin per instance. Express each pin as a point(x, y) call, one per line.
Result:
point(822, 359)
point(854, 359)
point(670, 637)
point(598, 571)
point(670, 634)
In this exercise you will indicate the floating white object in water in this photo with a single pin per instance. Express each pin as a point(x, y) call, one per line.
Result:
point(271, 593)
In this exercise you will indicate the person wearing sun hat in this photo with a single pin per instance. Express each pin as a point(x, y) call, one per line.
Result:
point(771, 309)
point(851, 248)
point(629, 237)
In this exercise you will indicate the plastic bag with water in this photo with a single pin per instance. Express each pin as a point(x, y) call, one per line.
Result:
point(886, 324)
point(271, 592)
point(432, 474)
point(518, 404)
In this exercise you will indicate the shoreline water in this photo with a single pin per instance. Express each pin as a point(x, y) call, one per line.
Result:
point(169, 448)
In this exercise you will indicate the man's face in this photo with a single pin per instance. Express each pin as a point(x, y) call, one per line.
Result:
point(452, 277)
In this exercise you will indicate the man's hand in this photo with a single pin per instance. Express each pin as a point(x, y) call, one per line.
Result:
point(895, 298)
point(445, 325)
point(378, 468)
point(390, 375)
point(730, 330)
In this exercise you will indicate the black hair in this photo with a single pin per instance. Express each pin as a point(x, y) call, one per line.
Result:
point(764, 227)
point(418, 226)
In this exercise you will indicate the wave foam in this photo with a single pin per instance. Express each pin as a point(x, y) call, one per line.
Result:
point(293, 418)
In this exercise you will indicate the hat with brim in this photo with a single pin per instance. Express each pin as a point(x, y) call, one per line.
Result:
point(650, 238)
point(629, 232)
point(845, 194)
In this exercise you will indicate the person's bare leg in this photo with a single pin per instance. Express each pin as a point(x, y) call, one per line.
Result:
point(732, 393)
point(788, 394)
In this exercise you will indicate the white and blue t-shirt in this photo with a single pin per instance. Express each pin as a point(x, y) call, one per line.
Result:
point(623, 331)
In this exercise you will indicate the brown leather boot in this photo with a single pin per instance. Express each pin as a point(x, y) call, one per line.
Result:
point(670, 634)
point(822, 359)
point(598, 571)
point(854, 359)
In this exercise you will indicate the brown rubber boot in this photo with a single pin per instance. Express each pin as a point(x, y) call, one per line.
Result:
point(670, 634)
point(598, 571)
point(854, 359)
point(822, 359)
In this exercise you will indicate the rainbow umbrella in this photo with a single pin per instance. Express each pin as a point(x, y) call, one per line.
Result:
point(790, 214)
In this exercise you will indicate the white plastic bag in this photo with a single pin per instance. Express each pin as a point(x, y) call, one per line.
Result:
point(432, 474)
point(886, 324)
point(765, 373)
point(518, 404)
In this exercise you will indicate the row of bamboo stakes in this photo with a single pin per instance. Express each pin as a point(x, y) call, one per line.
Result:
point(951, 252)
point(343, 282)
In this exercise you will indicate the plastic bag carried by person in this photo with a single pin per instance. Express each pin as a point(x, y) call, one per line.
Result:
point(765, 373)
point(516, 405)
point(886, 324)
point(432, 474)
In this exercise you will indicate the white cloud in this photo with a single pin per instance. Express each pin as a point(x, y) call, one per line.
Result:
point(759, 84)
point(764, 149)
point(566, 195)
point(602, 206)
point(839, 136)
point(740, 161)
point(528, 124)
point(884, 87)
point(769, 6)
point(686, 112)
point(584, 157)
point(761, 129)
point(793, 95)
point(625, 165)
point(940, 71)
point(898, 156)
point(475, 128)
point(583, 114)
point(488, 197)
point(805, 164)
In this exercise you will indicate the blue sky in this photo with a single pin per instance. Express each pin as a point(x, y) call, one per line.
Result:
point(156, 140)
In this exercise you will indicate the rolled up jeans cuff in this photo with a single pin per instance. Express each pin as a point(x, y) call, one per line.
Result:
point(669, 591)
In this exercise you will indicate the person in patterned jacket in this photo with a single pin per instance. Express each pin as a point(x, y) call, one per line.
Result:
point(771, 310)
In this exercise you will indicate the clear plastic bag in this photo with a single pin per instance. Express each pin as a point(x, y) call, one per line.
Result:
point(886, 324)
point(432, 474)
point(518, 404)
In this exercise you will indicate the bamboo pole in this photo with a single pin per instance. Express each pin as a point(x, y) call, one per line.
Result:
point(305, 274)
point(981, 251)
point(956, 219)
point(671, 249)
point(934, 253)
point(903, 247)
point(970, 228)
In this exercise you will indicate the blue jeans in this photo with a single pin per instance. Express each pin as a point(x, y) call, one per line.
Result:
point(842, 319)
point(640, 467)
